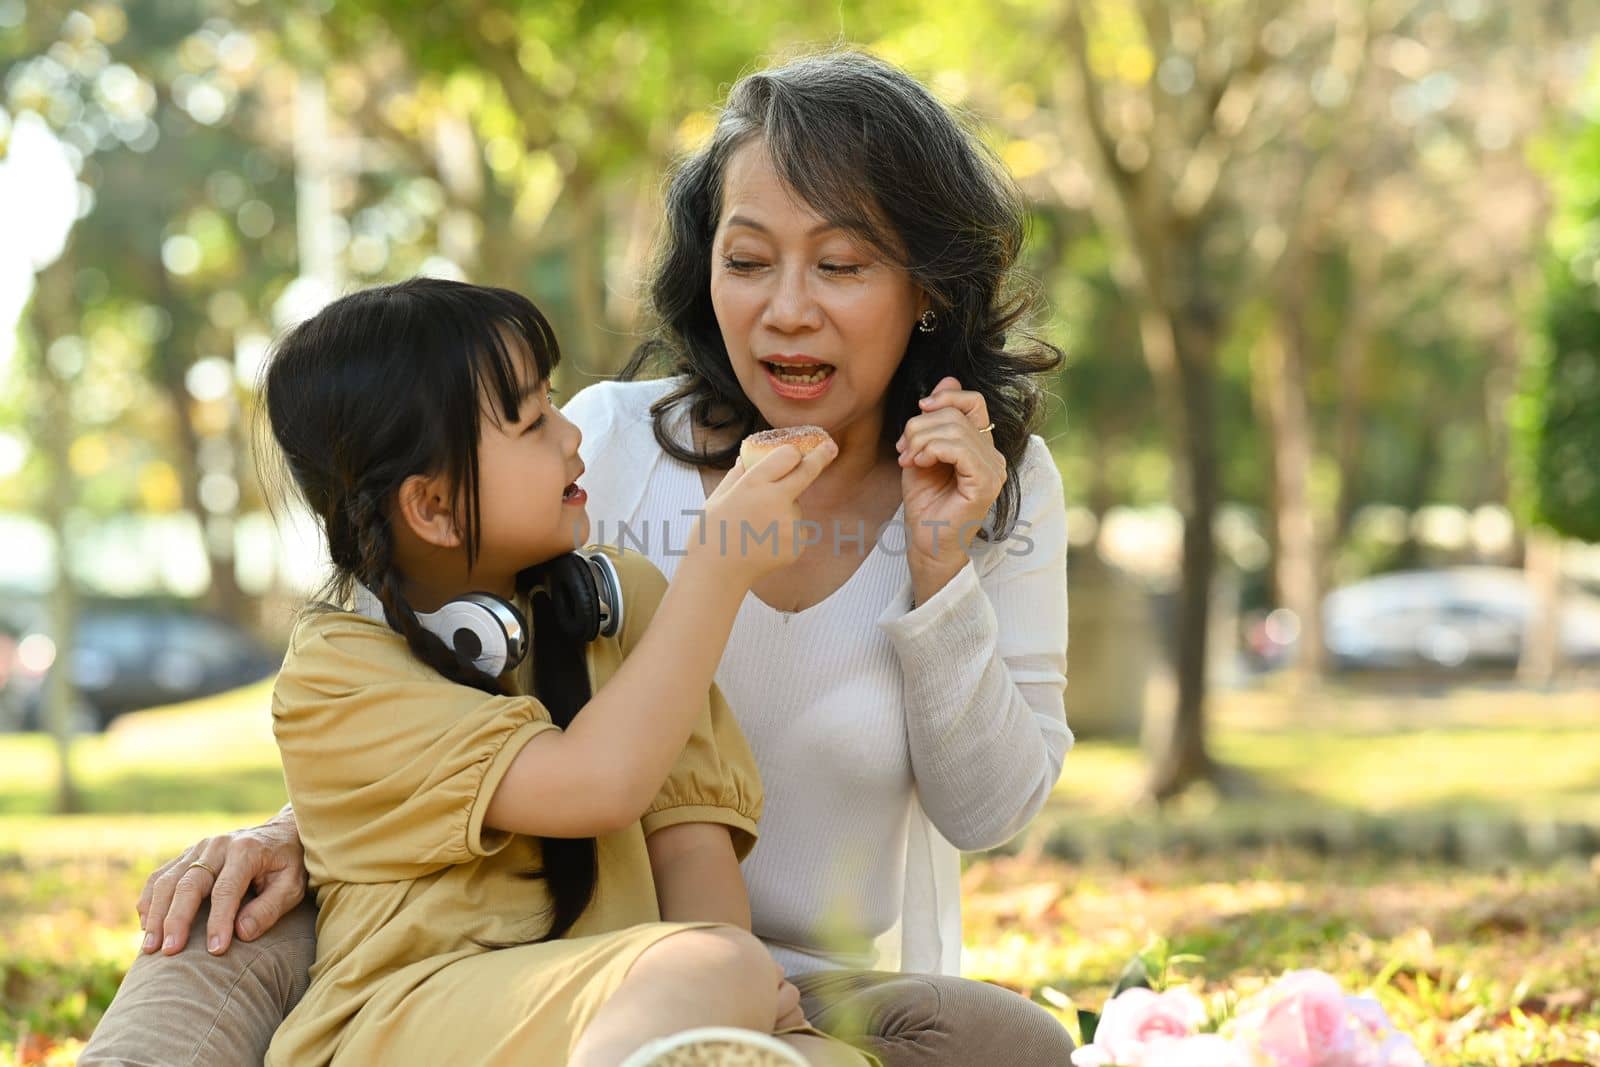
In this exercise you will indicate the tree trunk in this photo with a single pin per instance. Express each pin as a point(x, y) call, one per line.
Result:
point(1296, 561)
point(1499, 394)
point(1350, 359)
point(1261, 403)
point(1186, 760)
point(1541, 643)
point(171, 365)
point(1100, 495)
point(1412, 553)
point(53, 301)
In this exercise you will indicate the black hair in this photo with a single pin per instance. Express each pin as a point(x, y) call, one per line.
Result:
point(872, 152)
point(390, 382)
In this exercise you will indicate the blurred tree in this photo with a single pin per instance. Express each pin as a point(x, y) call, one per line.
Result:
point(56, 358)
point(549, 126)
point(1428, 105)
point(174, 251)
point(1561, 417)
point(1248, 154)
point(1266, 196)
point(57, 355)
point(1557, 414)
point(187, 230)
point(1166, 94)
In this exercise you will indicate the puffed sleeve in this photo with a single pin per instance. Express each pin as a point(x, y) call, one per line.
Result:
point(390, 766)
point(715, 779)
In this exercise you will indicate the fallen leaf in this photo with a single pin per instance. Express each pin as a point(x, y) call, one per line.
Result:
point(35, 1049)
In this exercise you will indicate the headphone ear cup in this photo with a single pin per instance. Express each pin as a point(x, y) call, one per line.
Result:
point(482, 630)
point(608, 586)
point(576, 599)
point(584, 592)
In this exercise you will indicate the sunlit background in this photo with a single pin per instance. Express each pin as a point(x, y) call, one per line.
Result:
point(1327, 276)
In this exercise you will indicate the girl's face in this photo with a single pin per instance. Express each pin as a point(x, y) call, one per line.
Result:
point(815, 322)
point(530, 508)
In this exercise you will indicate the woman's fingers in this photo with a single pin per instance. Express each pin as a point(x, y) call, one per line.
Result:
point(147, 895)
point(803, 473)
point(735, 473)
point(937, 450)
point(921, 424)
point(948, 395)
point(917, 442)
point(162, 886)
point(936, 423)
point(246, 862)
point(280, 892)
point(190, 889)
point(777, 463)
point(957, 447)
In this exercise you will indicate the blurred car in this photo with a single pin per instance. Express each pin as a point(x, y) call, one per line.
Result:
point(127, 656)
point(1450, 619)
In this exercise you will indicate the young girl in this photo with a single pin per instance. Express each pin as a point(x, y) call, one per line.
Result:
point(494, 852)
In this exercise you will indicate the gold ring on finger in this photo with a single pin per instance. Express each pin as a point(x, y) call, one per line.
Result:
point(204, 867)
point(987, 428)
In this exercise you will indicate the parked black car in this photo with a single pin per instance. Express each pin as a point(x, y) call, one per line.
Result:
point(126, 655)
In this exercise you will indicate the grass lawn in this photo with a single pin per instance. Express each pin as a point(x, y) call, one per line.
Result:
point(1490, 960)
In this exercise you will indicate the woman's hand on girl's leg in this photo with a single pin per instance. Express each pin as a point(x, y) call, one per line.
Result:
point(222, 869)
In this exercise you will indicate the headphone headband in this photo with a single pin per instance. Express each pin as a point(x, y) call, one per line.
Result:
point(489, 633)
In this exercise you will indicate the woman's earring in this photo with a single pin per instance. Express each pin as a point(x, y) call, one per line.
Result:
point(927, 322)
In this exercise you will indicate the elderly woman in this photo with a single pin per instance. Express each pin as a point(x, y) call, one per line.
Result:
point(837, 255)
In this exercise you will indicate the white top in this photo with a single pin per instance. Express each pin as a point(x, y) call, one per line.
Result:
point(886, 737)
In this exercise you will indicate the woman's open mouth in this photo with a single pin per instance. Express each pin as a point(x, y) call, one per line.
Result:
point(799, 381)
point(574, 494)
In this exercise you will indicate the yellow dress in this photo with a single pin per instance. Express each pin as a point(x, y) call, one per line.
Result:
point(390, 767)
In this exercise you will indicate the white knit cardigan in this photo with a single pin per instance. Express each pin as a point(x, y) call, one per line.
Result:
point(952, 730)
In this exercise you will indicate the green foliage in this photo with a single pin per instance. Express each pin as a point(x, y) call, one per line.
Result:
point(526, 142)
point(1557, 416)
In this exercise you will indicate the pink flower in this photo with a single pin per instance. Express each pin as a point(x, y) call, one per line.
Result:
point(1302, 1021)
point(1382, 1045)
point(1136, 1018)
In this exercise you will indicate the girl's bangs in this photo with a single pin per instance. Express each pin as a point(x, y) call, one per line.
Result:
point(510, 343)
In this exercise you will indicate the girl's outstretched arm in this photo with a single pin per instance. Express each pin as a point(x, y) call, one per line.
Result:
point(601, 773)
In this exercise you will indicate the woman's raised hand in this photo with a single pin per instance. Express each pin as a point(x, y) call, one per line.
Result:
point(950, 476)
point(752, 520)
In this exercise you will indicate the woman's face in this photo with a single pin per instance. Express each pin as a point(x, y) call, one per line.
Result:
point(815, 321)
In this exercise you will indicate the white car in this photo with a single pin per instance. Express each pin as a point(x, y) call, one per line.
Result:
point(1448, 618)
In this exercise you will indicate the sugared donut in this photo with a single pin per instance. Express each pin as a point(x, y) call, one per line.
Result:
point(758, 446)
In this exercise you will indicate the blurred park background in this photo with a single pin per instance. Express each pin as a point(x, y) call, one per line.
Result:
point(1328, 278)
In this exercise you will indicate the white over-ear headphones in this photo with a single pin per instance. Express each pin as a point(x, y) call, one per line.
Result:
point(484, 631)
point(586, 600)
